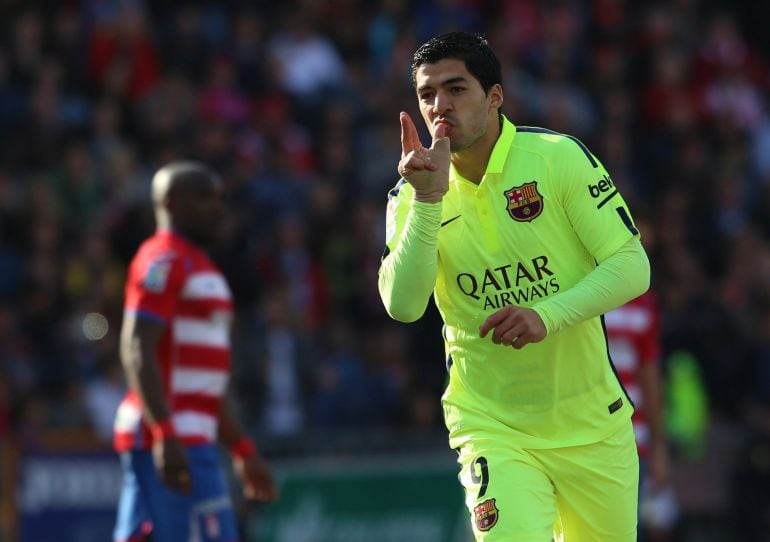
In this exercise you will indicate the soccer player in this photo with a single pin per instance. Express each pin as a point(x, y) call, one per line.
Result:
point(524, 241)
point(175, 351)
point(633, 332)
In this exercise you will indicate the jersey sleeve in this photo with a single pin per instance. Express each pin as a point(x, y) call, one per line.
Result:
point(399, 204)
point(154, 284)
point(591, 200)
point(624, 275)
point(409, 267)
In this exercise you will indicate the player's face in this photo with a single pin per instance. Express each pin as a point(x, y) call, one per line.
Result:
point(204, 211)
point(448, 94)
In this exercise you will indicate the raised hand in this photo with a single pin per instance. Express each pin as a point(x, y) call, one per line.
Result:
point(514, 326)
point(426, 169)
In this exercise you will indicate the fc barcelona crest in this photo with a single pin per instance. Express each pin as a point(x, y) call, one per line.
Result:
point(525, 203)
point(486, 515)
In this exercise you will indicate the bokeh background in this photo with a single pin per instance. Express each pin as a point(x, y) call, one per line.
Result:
point(296, 104)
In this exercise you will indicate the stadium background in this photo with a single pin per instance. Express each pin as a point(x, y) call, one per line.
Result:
point(296, 104)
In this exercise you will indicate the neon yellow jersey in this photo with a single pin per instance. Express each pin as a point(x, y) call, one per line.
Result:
point(544, 214)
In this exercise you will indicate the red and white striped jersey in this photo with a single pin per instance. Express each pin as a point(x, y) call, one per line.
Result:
point(174, 282)
point(633, 332)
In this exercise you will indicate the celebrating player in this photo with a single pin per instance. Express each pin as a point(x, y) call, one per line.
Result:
point(525, 242)
point(175, 351)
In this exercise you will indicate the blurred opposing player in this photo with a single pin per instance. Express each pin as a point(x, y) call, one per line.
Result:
point(633, 333)
point(175, 350)
point(524, 241)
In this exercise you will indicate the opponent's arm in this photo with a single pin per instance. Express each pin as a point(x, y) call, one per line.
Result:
point(248, 465)
point(651, 382)
point(652, 386)
point(139, 339)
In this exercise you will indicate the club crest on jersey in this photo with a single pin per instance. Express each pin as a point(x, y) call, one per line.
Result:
point(486, 515)
point(525, 203)
point(157, 275)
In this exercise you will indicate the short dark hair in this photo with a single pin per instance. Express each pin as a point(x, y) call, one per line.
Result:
point(472, 49)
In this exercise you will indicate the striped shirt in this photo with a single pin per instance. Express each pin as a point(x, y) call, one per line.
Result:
point(174, 282)
point(633, 337)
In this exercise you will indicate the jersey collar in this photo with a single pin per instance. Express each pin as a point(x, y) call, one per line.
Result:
point(171, 232)
point(499, 153)
point(502, 146)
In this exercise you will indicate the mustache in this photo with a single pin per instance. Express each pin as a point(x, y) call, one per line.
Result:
point(448, 120)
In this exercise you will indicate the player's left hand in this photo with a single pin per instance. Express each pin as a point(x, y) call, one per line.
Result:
point(514, 326)
point(256, 479)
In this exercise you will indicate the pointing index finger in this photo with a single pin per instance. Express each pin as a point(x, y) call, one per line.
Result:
point(440, 131)
point(410, 140)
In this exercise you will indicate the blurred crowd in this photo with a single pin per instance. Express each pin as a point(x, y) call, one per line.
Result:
point(296, 104)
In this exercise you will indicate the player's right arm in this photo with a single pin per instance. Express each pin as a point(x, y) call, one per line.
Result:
point(139, 339)
point(151, 294)
point(408, 271)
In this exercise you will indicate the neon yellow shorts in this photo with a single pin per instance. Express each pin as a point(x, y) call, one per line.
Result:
point(576, 494)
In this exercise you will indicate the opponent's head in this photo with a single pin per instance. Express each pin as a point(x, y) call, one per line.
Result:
point(187, 197)
point(458, 81)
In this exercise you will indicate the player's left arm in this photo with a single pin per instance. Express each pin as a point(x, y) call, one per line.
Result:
point(602, 221)
point(621, 277)
point(250, 468)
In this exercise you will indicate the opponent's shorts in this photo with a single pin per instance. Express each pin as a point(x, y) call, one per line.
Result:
point(582, 493)
point(147, 505)
point(658, 508)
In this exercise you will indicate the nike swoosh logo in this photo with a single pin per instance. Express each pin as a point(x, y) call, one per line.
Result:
point(450, 220)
